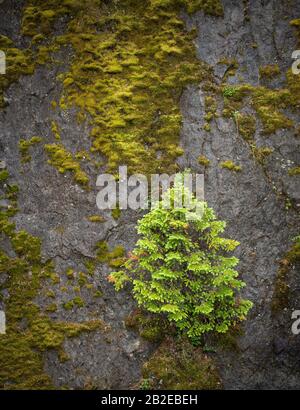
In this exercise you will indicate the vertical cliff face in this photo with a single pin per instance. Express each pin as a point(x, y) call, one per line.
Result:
point(232, 115)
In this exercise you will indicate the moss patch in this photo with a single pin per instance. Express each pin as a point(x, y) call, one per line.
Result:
point(30, 332)
point(231, 166)
point(150, 328)
point(132, 61)
point(268, 103)
point(24, 146)
point(203, 161)
point(96, 218)
point(114, 258)
point(294, 171)
point(64, 161)
point(178, 365)
point(246, 125)
point(269, 71)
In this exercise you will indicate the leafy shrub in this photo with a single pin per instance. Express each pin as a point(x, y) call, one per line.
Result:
point(179, 269)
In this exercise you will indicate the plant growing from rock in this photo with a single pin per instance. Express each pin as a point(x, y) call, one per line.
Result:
point(179, 269)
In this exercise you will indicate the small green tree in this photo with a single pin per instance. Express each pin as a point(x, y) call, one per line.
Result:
point(179, 269)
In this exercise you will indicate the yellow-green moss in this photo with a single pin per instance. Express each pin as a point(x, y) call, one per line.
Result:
point(296, 23)
point(266, 102)
point(51, 308)
point(294, 171)
point(64, 161)
point(232, 66)
point(55, 130)
point(96, 218)
point(261, 153)
point(231, 166)
point(3, 175)
point(114, 258)
point(210, 110)
point(116, 213)
point(131, 63)
point(18, 62)
point(246, 125)
point(150, 328)
point(24, 146)
point(177, 365)
point(203, 160)
point(129, 77)
point(269, 71)
point(207, 127)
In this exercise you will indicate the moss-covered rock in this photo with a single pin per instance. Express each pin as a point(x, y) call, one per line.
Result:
point(177, 365)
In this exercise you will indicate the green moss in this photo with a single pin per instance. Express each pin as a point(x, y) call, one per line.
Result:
point(231, 166)
point(177, 365)
point(55, 130)
point(232, 66)
point(98, 294)
point(229, 91)
point(116, 213)
point(203, 161)
point(148, 327)
point(50, 294)
point(294, 171)
point(210, 109)
point(114, 258)
point(261, 153)
point(296, 23)
point(82, 155)
point(131, 63)
point(82, 279)
point(70, 274)
point(269, 71)
point(4, 175)
point(129, 79)
point(64, 161)
point(207, 127)
point(78, 301)
point(90, 265)
point(18, 62)
point(96, 218)
point(267, 103)
point(246, 125)
point(281, 294)
point(24, 146)
point(229, 341)
point(51, 308)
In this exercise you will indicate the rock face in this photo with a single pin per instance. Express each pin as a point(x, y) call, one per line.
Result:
point(253, 202)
